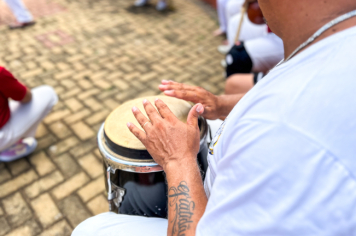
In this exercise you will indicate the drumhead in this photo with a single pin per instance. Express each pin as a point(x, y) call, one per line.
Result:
point(115, 128)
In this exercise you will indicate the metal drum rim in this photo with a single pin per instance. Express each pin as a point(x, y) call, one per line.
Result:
point(124, 163)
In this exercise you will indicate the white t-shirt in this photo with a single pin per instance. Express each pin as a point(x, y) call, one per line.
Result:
point(285, 163)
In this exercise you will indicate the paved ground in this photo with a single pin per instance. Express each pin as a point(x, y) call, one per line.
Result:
point(96, 54)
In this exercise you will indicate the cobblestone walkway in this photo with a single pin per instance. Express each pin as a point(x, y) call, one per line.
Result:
point(97, 55)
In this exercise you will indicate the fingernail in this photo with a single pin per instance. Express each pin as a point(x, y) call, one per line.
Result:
point(156, 99)
point(199, 108)
point(168, 92)
point(134, 109)
point(164, 81)
point(128, 124)
point(144, 101)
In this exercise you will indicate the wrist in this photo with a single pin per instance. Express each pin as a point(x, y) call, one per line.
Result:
point(182, 163)
point(220, 105)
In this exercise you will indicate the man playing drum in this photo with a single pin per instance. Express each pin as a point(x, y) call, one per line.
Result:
point(283, 163)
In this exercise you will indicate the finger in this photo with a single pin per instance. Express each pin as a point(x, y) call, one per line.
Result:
point(194, 113)
point(142, 120)
point(151, 111)
point(176, 86)
point(184, 94)
point(137, 132)
point(163, 109)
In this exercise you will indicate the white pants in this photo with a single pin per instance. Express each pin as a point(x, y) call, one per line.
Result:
point(226, 10)
point(25, 118)
point(112, 224)
point(20, 11)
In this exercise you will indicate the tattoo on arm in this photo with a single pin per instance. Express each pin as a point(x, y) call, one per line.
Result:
point(179, 200)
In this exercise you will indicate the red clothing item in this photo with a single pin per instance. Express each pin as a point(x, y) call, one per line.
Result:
point(269, 30)
point(9, 88)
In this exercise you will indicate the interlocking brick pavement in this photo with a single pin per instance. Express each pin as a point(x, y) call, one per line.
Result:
point(96, 55)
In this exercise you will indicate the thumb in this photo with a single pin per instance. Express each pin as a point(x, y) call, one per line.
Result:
point(194, 113)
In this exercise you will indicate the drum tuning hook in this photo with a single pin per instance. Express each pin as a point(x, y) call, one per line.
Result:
point(115, 193)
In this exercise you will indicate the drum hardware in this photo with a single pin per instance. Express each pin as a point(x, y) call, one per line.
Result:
point(115, 193)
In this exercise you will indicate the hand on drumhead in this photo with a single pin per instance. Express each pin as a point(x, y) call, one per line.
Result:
point(194, 94)
point(166, 138)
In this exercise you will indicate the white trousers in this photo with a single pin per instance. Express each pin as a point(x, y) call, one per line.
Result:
point(20, 11)
point(112, 224)
point(226, 10)
point(25, 118)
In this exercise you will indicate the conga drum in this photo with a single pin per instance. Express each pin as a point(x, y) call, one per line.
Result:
point(136, 184)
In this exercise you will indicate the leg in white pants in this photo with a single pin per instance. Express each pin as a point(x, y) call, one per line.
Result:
point(221, 4)
point(25, 118)
point(233, 7)
point(20, 11)
point(249, 30)
point(111, 224)
point(265, 52)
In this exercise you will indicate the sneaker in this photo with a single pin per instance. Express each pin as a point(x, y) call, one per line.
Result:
point(223, 63)
point(224, 49)
point(20, 149)
point(140, 3)
point(161, 6)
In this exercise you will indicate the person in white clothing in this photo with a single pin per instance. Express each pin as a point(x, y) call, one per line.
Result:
point(20, 117)
point(226, 9)
point(283, 161)
point(22, 15)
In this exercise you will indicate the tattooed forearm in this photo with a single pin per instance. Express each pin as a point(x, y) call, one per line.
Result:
point(179, 200)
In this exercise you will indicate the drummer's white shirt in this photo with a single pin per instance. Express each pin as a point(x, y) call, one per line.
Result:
point(285, 163)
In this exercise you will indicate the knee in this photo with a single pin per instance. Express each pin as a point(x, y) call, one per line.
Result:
point(46, 92)
point(238, 83)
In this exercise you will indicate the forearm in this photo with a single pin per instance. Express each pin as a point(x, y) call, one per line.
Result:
point(186, 197)
point(227, 102)
point(28, 96)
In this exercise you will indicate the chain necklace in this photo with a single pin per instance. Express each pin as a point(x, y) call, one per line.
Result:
point(319, 32)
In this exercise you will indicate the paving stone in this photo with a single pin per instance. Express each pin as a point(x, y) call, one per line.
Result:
point(98, 117)
point(73, 104)
point(60, 130)
point(67, 165)
point(4, 226)
point(93, 104)
point(98, 205)
point(41, 131)
point(82, 131)
point(63, 146)
point(56, 116)
point(92, 189)
point(30, 228)
point(16, 210)
point(45, 209)
point(45, 142)
point(42, 163)
point(18, 166)
point(44, 184)
point(91, 165)
point(59, 229)
point(73, 210)
point(17, 183)
point(83, 148)
point(70, 185)
point(77, 116)
point(1, 211)
point(4, 175)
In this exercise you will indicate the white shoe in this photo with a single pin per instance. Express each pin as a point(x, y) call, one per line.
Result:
point(20, 149)
point(223, 63)
point(140, 3)
point(224, 49)
point(161, 5)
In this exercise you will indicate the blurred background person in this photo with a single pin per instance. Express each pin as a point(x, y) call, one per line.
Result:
point(160, 6)
point(22, 15)
point(226, 9)
point(20, 117)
